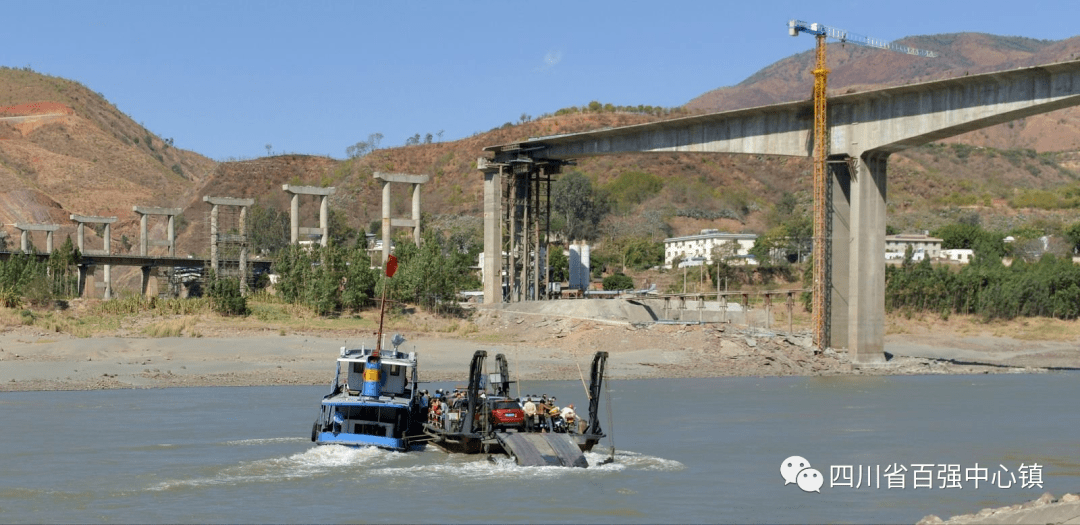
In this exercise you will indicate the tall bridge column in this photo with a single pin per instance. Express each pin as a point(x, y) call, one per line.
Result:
point(105, 237)
point(493, 183)
point(294, 212)
point(24, 237)
point(389, 222)
point(838, 222)
point(217, 238)
point(857, 294)
point(144, 239)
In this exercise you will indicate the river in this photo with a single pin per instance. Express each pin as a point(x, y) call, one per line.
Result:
point(686, 451)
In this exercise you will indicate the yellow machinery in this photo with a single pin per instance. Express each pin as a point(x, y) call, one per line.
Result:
point(821, 153)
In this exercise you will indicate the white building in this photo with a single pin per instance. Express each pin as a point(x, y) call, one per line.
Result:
point(960, 255)
point(930, 246)
point(705, 244)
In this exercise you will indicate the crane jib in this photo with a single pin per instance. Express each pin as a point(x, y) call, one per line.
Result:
point(798, 26)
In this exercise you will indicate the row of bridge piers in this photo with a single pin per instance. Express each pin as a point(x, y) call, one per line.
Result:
point(232, 237)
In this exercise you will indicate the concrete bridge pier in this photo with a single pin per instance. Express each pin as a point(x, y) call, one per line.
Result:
point(388, 222)
point(855, 301)
point(106, 237)
point(295, 230)
point(81, 285)
point(24, 237)
point(88, 280)
point(493, 263)
point(149, 281)
point(240, 239)
point(144, 240)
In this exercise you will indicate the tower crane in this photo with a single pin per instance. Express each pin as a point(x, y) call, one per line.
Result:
point(821, 153)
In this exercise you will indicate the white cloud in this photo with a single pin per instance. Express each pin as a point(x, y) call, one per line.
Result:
point(551, 59)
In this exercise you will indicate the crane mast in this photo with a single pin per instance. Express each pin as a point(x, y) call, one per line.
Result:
point(820, 257)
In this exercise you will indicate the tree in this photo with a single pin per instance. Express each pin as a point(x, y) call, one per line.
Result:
point(364, 146)
point(339, 230)
point(358, 150)
point(631, 252)
point(1072, 235)
point(225, 295)
point(985, 244)
point(774, 246)
point(581, 208)
point(373, 141)
point(268, 148)
point(632, 188)
point(268, 229)
point(430, 274)
point(618, 281)
point(725, 251)
point(558, 264)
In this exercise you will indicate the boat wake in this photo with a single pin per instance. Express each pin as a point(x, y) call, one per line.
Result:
point(472, 467)
point(268, 441)
point(314, 462)
point(632, 461)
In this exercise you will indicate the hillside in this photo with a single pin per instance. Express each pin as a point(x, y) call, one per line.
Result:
point(65, 149)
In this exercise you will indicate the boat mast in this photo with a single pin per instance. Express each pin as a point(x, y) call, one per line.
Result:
point(391, 268)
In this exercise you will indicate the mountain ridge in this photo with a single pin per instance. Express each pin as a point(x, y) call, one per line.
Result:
point(74, 152)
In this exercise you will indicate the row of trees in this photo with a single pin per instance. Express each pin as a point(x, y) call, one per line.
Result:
point(1049, 287)
point(599, 107)
point(364, 146)
point(428, 138)
point(338, 278)
point(40, 282)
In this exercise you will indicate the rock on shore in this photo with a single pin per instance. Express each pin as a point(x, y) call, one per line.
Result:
point(1045, 509)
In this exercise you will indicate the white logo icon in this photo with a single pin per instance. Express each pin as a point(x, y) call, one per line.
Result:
point(810, 480)
point(796, 469)
point(790, 468)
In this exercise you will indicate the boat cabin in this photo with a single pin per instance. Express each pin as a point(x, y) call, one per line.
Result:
point(376, 403)
point(395, 369)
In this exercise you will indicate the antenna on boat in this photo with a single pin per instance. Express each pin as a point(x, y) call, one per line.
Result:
point(391, 268)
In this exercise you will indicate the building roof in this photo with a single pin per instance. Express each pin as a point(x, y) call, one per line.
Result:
point(716, 235)
point(911, 237)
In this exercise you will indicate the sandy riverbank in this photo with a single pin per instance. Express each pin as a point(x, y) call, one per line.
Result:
point(539, 342)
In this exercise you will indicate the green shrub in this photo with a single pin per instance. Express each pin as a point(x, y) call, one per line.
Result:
point(618, 281)
point(226, 297)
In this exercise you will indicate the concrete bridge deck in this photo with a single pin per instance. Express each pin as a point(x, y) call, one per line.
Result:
point(145, 262)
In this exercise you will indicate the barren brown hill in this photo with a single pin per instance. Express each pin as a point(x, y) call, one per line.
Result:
point(64, 149)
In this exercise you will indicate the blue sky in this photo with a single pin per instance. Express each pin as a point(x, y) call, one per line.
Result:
point(226, 78)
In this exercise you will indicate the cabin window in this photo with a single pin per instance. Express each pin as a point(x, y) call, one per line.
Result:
point(357, 368)
point(395, 370)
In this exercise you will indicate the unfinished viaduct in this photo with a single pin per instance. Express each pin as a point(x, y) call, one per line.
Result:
point(863, 130)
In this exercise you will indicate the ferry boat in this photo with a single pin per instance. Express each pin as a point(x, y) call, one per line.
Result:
point(485, 419)
point(374, 403)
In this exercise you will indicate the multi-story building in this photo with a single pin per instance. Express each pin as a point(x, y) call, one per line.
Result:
point(929, 246)
point(706, 244)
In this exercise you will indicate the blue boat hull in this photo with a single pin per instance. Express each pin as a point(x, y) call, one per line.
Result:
point(361, 440)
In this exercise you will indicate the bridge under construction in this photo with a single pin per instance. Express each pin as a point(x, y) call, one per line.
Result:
point(864, 129)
